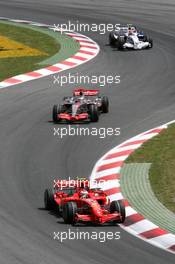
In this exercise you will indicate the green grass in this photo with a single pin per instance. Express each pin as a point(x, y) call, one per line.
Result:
point(35, 39)
point(160, 151)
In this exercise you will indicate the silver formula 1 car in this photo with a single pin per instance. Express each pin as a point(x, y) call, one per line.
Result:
point(84, 105)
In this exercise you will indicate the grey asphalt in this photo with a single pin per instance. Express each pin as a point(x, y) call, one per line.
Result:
point(31, 157)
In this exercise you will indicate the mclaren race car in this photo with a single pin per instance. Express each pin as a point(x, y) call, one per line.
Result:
point(77, 203)
point(121, 35)
point(84, 105)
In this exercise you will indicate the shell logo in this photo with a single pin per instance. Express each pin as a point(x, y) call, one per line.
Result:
point(10, 48)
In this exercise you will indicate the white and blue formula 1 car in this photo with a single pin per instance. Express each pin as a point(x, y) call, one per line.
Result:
point(129, 37)
point(132, 42)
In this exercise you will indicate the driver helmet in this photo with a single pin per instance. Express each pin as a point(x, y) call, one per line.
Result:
point(130, 32)
point(81, 95)
point(84, 193)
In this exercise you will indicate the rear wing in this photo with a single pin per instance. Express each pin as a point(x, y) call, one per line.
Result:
point(78, 91)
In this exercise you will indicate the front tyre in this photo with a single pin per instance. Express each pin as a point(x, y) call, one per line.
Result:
point(57, 109)
point(69, 212)
point(118, 206)
point(145, 38)
point(93, 113)
point(105, 104)
point(150, 43)
point(55, 114)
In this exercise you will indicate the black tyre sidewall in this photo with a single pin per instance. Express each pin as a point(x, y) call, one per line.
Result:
point(112, 40)
point(105, 104)
point(118, 206)
point(49, 199)
point(69, 211)
point(120, 43)
point(151, 42)
point(54, 113)
point(93, 113)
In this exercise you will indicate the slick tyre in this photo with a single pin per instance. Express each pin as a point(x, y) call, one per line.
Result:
point(69, 212)
point(145, 38)
point(118, 206)
point(49, 202)
point(57, 109)
point(105, 104)
point(112, 40)
point(93, 113)
point(151, 43)
point(54, 114)
point(121, 42)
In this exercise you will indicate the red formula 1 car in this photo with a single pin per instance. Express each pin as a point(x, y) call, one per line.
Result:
point(84, 105)
point(81, 204)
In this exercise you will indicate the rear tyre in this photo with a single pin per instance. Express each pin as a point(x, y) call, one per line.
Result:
point(118, 206)
point(69, 212)
point(49, 201)
point(105, 104)
point(93, 113)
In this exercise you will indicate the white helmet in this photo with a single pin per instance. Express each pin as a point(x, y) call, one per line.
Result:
point(84, 194)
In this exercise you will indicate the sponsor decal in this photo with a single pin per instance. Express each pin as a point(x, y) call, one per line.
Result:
point(10, 48)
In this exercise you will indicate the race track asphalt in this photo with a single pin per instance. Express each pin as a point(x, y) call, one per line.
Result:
point(31, 157)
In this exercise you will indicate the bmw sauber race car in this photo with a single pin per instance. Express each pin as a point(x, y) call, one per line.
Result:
point(132, 42)
point(129, 37)
point(84, 105)
point(77, 203)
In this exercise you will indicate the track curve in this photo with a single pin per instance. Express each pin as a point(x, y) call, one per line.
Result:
point(31, 156)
